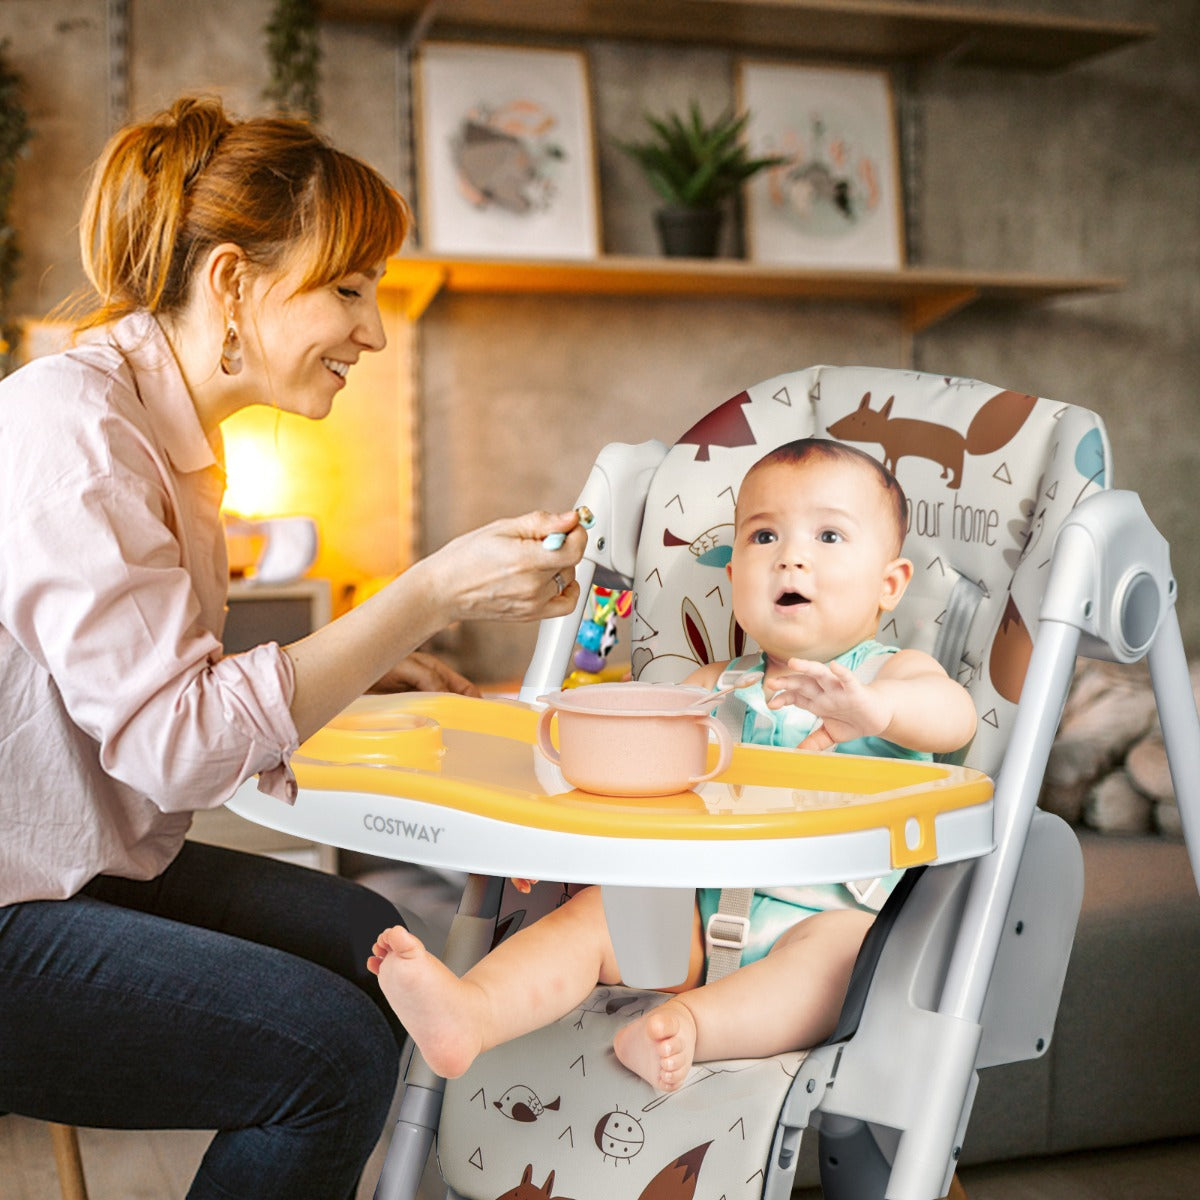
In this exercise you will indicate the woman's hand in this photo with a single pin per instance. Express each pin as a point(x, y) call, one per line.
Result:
point(421, 672)
point(503, 572)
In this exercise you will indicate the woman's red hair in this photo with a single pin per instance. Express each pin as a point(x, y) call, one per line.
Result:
point(167, 190)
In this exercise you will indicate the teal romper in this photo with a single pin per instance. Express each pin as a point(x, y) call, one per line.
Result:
point(775, 910)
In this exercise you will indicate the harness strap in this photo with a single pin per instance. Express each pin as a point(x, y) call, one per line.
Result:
point(727, 932)
point(951, 641)
point(950, 645)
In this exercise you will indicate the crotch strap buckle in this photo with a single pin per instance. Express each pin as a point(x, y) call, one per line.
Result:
point(726, 932)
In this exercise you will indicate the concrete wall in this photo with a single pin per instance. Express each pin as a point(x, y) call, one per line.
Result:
point(1094, 170)
point(353, 471)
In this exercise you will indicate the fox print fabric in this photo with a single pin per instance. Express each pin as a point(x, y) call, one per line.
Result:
point(989, 474)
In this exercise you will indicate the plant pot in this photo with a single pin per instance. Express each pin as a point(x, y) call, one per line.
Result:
point(689, 232)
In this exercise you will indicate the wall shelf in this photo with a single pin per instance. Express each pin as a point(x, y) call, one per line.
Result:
point(866, 30)
point(924, 295)
point(874, 30)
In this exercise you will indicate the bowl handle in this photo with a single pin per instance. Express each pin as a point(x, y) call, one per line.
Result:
point(724, 752)
point(544, 744)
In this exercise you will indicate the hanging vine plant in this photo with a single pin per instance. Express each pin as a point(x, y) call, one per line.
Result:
point(295, 59)
point(14, 138)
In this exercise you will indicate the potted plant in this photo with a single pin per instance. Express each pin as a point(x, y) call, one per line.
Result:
point(695, 165)
point(295, 59)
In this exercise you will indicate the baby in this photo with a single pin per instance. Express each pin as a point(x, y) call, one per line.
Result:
point(818, 528)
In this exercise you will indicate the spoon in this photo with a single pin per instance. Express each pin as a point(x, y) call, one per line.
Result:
point(706, 701)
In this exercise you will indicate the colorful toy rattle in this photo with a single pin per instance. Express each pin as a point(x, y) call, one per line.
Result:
point(597, 636)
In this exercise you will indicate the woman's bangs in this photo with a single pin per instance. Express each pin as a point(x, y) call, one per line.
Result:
point(363, 222)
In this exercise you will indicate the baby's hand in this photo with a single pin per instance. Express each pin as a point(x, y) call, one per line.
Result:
point(524, 886)
point(847, 708)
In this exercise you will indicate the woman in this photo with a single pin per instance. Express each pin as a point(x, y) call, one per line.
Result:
point(146, 981)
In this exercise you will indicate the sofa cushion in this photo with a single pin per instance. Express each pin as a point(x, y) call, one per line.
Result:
point(1127, 1047)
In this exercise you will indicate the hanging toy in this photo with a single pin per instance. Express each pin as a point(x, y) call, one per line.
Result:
point(597, 636)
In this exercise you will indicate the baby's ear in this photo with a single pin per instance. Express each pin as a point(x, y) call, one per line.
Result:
point(896, 577)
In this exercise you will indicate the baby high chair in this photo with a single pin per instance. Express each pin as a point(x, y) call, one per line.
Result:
point(1022, 560)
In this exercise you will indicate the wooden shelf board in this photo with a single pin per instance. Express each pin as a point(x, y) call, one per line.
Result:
point(927, 295)
point(871, 30)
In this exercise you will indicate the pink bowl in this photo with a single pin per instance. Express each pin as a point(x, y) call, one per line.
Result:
point(632, 739)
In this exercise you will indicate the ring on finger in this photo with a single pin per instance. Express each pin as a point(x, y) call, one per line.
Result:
point(560, 582)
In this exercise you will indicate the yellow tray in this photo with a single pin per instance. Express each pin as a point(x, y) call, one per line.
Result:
point(479, 756)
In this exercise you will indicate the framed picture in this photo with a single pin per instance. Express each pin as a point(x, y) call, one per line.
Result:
point(836, 200)
point(506, 158)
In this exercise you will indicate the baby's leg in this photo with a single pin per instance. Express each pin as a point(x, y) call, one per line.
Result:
point(536, 976)
point(787, 1001)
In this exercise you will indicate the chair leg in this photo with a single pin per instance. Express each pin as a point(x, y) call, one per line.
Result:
point(68, 1161)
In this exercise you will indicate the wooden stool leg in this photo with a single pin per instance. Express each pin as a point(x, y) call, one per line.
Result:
point(957, 1191)
point(68, 1161)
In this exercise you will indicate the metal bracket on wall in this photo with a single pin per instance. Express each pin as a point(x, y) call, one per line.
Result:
point(910, 124)
point(116, 24)
point(406, 100)
point(420, 282)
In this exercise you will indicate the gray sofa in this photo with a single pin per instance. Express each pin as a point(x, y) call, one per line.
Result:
point(1124, 1063)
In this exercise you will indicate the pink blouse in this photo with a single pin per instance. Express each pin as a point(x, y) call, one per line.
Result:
point(119, 714)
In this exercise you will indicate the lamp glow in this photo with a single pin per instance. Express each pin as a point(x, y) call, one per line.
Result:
point(255, 482)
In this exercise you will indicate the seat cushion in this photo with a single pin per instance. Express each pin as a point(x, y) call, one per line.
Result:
point(558, 1103)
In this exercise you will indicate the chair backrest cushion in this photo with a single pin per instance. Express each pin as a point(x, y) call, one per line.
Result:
point(989, 475)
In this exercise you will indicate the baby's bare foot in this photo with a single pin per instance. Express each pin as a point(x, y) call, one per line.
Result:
point(439, 1011)
point(659, 1046)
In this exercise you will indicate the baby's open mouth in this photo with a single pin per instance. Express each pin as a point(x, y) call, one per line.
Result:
point(789, 599)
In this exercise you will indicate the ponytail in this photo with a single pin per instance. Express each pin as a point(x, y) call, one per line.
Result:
point(136, 204)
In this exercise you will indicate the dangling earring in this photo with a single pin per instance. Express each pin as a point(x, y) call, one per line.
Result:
point(231, 351)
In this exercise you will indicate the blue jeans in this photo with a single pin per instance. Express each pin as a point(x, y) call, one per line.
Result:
point(230, 993)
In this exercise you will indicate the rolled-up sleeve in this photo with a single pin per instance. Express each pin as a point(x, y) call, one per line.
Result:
point(94, 587)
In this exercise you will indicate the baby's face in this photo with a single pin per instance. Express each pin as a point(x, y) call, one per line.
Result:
point(814, 558)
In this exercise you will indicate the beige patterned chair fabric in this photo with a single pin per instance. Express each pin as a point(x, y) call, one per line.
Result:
point(557, 1105)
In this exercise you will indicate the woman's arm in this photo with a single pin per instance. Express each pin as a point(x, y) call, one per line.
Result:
point(501, 571)
point(93, 590)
